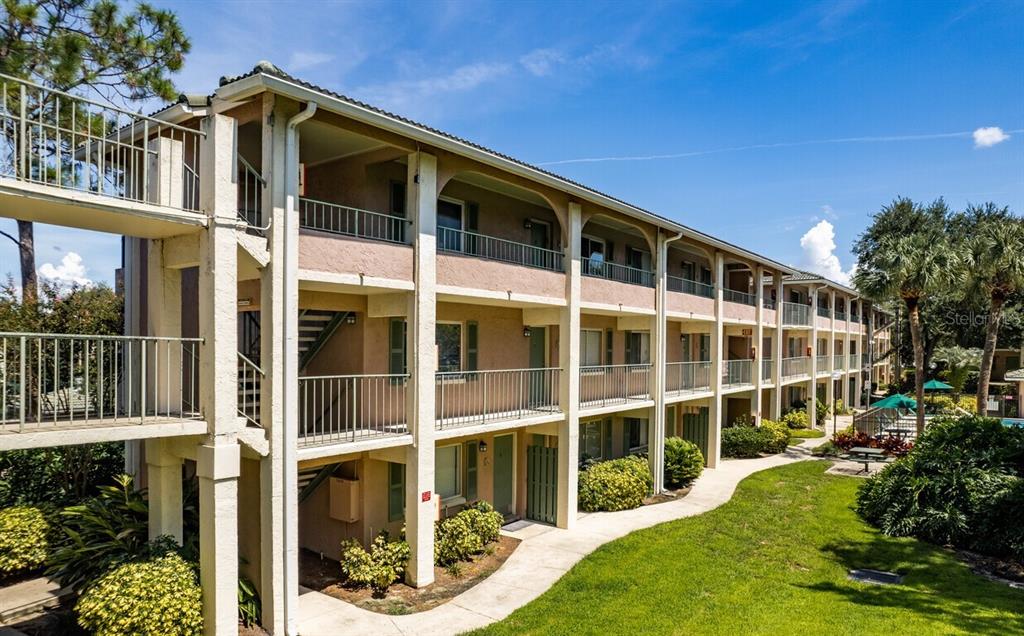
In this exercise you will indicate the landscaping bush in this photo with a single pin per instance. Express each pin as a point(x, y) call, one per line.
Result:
point(24, 539)
point(484, 521)
point(154, 597)
point(796, 419)
point(683, 462)
point(828, 449)
point(948, 405)
point(618, 484)
point(961, 484)
point(893, 446)
point(380, 567)
point(776, 436)
point(743, 442)
point(461, 537)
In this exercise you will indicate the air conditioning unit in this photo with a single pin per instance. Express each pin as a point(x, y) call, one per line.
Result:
point(344, 499)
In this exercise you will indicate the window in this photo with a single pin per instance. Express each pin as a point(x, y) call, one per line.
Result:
point(396, 491)
point(449, 346)
point(449, 225)
point(638, 347)
point(687, 353)
point(636, 434)
point(471, 470)
point(447, 472)
point(689, 270)
point(397, 199)
point(396, 351)
point(705, 347)
point(590, 347)
point(593, 248)
point(638, 259)
point(590, 440)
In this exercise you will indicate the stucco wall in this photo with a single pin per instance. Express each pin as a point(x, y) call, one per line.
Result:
point(738, 311)
point(478, 273)
point(676, 301)
point(503, 216)
point(348, 255)
point(612, 292)
point(823, 322)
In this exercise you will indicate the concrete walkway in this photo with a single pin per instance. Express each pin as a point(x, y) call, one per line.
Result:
point(545, 554)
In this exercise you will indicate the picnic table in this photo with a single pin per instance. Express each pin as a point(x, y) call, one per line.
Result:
point(864, 455)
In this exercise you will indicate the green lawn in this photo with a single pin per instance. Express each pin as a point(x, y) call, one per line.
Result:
point(797, 436)
point(771, 561)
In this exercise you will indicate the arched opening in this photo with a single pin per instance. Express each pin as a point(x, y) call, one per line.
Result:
point(617, 250)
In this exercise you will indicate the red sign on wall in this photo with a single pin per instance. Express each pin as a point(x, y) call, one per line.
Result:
point(426, 496)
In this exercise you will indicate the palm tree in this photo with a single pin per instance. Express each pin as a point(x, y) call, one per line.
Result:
point(994, 266)
point(905, 254)
point(960, 362)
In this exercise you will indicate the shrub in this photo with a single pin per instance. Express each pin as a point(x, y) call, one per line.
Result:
point(379, 568)
point(846, 440)
point(24, 539)
point(618, 484)
point(776, 436)
point(961, 484)
point(484, 521)
point(250, 608)
point(805, 433)
point(796, 419)
point(841, 408)
point(828, 449)
point(743, 442)
point(59, 476)
point(683, 462)
point(949, 405)
point(466, 534)
point(158, 597)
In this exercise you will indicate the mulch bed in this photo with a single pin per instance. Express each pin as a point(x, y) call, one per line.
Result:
point(324, 575)
point(668, 495)
point(993, 568)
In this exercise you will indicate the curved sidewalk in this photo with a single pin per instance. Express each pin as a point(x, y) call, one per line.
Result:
point(545, 554)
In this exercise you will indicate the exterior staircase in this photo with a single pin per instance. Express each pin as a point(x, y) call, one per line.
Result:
point(316, 327)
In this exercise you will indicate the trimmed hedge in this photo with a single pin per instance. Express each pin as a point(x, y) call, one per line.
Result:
point(796, 419)
point(24, 539)
point(380, 567)
point(746, 442)
point(460, 537)
point(155, 597)
point(683, 462)
point(617, 484)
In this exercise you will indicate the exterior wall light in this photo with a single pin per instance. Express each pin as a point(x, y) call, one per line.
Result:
point(526, 332)
point(482, 447)
point(350, 319)
point(527, 223)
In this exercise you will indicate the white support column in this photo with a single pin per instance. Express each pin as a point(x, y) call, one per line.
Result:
point(165, 178)
point(163, 318)
point(134, 250)
point(659, 329)
point(163, 471)
point(758, 344)
point(780, 345)
point(812, 385)
point(420, 508)
point(569, 362)
point(218, 464)
point(850, 368)
point(717, 355)
point(830, 387)
point(275, 304)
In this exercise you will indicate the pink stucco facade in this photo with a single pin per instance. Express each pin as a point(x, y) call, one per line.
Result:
point(348, 255)
point(738, 311)
point(823, 322)
point(477, 273)
point(612, 292)
point(689, 303)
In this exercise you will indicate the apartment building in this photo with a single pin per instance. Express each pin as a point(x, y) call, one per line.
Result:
point(341, 321)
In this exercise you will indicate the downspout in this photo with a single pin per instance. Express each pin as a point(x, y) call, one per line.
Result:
point(290, 362)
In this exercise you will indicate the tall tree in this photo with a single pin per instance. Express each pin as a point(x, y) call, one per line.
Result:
point(904, 254)
point(87, 45)
point(994, 269)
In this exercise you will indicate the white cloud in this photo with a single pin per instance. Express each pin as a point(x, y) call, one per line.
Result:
point(70, 271)
point(542, 62)
point(989, 136)
point(818, 255)
point(413, 92)
point(302, 60)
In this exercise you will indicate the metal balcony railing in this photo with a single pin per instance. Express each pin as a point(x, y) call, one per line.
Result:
point(767, 370)
point(57, 139)
point(687, 286)
point(840, 315)
point(743, 298)
point(614, 384)
point(50, 381)
point(613, 271)
point(795, 367)
point(824, 312)
point(768, 303)
point(687, 377)
point(496, 249)
point(823, 364)
point(854, 361)
point(339, 219)
point(250, 381)
point(839, 362)
point(250, 195)
point(795, 314)
point(347, 408)
point(737, 373)
point(470, 398)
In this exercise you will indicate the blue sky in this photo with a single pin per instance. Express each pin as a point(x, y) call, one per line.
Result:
point(752, 121)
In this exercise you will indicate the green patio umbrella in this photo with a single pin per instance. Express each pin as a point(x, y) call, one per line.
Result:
point(896, 401)
point(936, 385)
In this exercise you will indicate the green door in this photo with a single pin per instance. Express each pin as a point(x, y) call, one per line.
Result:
point(541, 483)
point(537, 380)
point(503, 474)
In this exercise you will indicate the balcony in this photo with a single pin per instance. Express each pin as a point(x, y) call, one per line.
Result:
point(824, 312)
point(52, 138)
point(767, 371)
point(611, 385)
point(692, 287)
point(333, 218)
point(796, 315)
point(839, 362)
point(823, 364)
point(335, 409)
point(742, 298)
point(737, 373)
point(796, 367)
point(854, 361)
point(840, 315)
point(495, 249)
point(687, 377)
point(491, 397)
point(767, 303)
point(595, 268)
point(66, 382)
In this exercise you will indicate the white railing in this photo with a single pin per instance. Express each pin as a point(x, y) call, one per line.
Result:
point(796, 314)
point(614, 384)
point(734, 296)
point(250, 195)
point(767, 370)
point(839, 361)
point(687, 377)
point(737, 372)
point(480, 397)
point(687, 286)
point(822, 364)
point(613, 271)
point(250, 380)
point(54, 138)
point(348, 408)
point(51, 380)
point(854, 361)
point(496, 249)
point(794, 367)
point(340, 219)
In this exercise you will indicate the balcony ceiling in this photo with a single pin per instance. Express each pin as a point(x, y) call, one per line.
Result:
point(506, 189)
point(321, 142)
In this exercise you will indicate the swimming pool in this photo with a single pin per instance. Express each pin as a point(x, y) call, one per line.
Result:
point(1013, 421)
